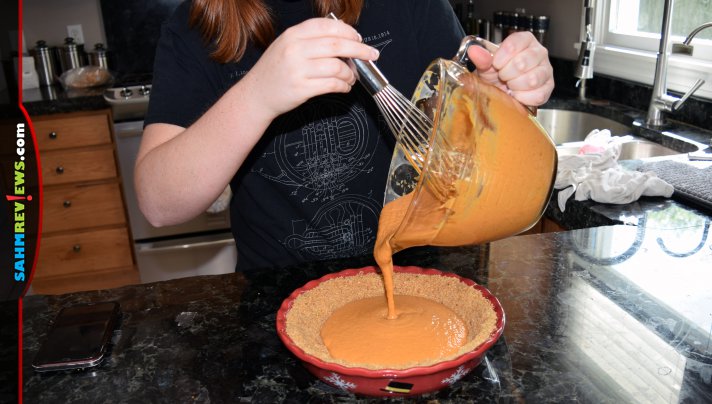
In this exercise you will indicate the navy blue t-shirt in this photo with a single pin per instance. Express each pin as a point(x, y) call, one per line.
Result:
point(312, 188)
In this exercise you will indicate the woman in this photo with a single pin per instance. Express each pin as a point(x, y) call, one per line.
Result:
point(255, 94)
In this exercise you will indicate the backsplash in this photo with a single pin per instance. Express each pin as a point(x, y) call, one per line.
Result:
point(695, 111)
point(132, 30)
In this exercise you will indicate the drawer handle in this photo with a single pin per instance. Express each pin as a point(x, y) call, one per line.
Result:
point(53, 135)
point(76, 248)
point(67, 203)
point(59, 170)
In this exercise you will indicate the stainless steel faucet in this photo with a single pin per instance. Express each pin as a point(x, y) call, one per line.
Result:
point(661, 101)
point(584, 64)
point(685, 47)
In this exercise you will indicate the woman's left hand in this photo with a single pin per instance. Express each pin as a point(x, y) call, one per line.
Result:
point(520, 66)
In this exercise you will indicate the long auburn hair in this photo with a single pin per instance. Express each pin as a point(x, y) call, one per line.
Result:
point(230, 25)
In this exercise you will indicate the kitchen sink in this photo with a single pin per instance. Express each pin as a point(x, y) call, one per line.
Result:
point(634, 149)
point(572, 126)
point(568, 129)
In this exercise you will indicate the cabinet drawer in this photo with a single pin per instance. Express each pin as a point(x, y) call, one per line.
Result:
point(77, 207)
point(73, 131)
point(84, 252)
point(62, 167)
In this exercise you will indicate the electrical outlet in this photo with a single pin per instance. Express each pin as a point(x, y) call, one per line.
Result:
point(75, 31)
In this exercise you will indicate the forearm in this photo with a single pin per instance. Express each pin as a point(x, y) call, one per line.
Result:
point(180, 172)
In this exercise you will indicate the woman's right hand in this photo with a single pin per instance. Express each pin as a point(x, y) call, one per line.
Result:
point(305, 61)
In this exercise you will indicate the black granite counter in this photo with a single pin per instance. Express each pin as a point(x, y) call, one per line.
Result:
point(54, 99)
point(584, 214)
point(609, 314)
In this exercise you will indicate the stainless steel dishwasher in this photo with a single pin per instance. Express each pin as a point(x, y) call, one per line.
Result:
point(202, 246)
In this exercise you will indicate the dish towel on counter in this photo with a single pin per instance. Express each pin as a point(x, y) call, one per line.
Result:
point(222, 202)
point(595, 174)
point(692, 179)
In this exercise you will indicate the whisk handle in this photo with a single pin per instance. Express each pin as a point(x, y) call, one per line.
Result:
point(368, 75)
point(366, 71)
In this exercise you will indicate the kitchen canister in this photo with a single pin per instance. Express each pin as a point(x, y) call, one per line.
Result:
point(44, 64)
point(71, 55)
point(541, 28)
point(98, 56)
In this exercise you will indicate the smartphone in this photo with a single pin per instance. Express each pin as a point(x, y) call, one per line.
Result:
point(79, 337)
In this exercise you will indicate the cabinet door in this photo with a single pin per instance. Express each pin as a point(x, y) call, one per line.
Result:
point(66, 166)
point(79, 207)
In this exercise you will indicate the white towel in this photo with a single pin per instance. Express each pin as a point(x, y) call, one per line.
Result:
point(595, 174)
point(222, 202)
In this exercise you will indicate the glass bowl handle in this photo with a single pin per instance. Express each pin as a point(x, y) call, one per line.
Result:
point(461, 55)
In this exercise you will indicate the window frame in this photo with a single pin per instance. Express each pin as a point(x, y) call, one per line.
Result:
point(631, 58)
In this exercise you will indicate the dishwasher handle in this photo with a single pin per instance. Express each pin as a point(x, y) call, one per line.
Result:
point(128, 129)
point(184, 246)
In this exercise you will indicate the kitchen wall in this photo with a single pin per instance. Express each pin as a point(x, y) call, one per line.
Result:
point(48, 19)
point(565, 18)
point(7, 21)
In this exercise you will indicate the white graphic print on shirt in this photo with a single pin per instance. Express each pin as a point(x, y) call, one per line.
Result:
point(337, 229)
point(379, 41)
point(319, 161)
point(328, 153)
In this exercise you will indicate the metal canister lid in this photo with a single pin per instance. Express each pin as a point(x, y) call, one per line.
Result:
point(69, 43)
point(98, 56)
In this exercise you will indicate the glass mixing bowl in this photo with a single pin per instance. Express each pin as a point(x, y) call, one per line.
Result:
point(490, 168)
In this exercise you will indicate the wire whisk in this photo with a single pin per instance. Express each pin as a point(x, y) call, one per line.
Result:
point(409, 125)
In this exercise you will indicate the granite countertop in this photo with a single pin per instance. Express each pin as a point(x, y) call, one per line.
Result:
point(588, 319)
point(606, 314)
point(54, 99)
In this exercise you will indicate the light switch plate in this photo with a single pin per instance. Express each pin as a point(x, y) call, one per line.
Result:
point(75, 31)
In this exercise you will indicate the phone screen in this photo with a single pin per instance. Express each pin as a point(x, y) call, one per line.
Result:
point(79, 337)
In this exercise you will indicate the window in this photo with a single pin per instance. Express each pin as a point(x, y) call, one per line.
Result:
point(628, 39)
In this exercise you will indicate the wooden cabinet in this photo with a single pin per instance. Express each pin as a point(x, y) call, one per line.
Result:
point(86, 243)
point(544, 225)
point(550, 226)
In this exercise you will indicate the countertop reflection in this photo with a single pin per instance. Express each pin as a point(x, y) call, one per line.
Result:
point(606, 314)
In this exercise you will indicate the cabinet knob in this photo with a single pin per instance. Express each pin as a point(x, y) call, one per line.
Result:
point(76, 248)
point(67, 203)
point(53, 135)
point(59, 170)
